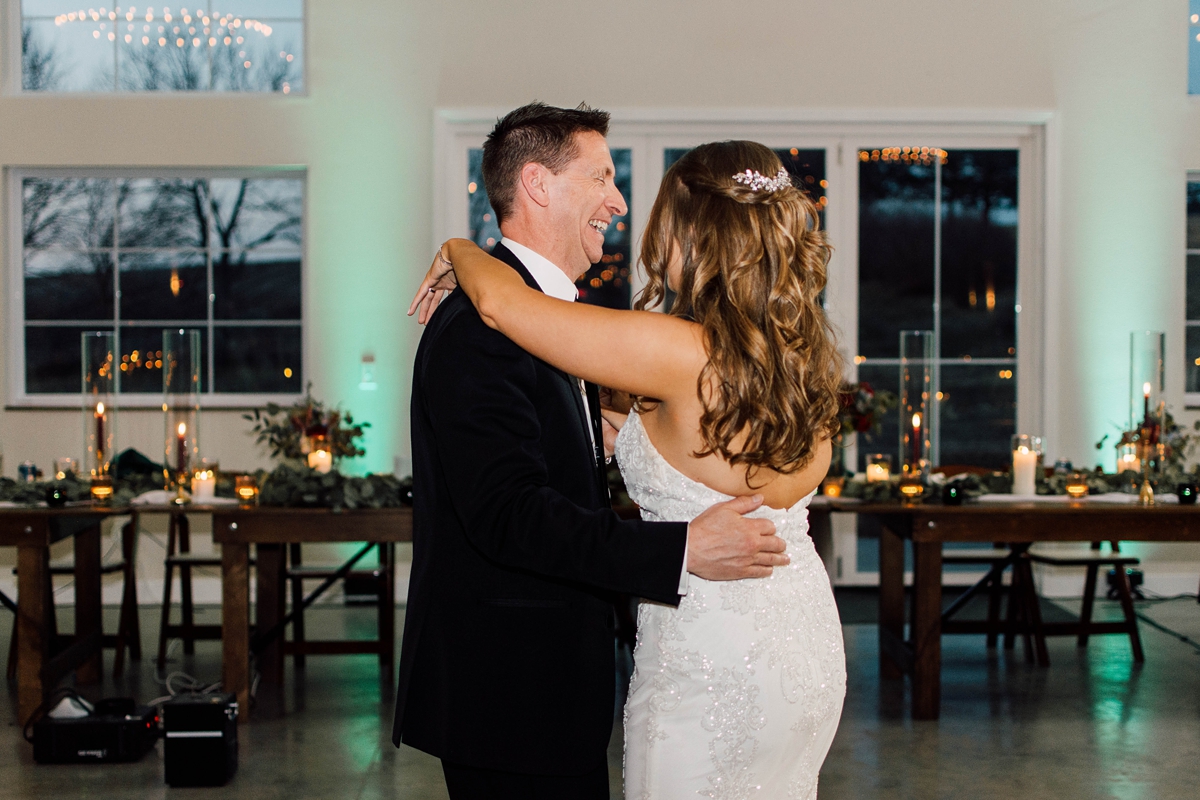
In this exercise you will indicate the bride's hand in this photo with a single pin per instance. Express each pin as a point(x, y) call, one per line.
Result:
point(438, 282)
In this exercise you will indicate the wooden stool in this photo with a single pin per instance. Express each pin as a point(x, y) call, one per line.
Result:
point(1024, 616)
point(1084, 627)
point(128, 633)
point(179, 556)
point(384, 577)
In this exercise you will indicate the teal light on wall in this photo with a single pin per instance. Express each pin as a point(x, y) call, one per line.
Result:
point(1121, 221)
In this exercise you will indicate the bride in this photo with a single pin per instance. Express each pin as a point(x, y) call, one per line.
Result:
point(736, 693)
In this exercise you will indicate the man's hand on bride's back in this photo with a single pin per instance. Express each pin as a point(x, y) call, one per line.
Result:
point(725, 545)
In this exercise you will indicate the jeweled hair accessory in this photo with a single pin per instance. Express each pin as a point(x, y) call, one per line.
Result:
point(759, 182)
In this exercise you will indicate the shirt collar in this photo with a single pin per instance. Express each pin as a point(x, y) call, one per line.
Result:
point(552, 280)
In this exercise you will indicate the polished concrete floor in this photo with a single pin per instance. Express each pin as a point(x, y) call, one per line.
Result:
point(1091, 726)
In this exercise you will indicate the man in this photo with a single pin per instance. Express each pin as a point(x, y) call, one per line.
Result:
point(507, 669)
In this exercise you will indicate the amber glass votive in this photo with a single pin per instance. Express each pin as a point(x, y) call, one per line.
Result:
point(832, 487)
point(102, 490)
point(1077, 485)
point(246, 489)
point(911, 490)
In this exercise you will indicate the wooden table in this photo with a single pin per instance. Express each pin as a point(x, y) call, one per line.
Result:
point(269, 529)
point(32, 531)
point(929, 526)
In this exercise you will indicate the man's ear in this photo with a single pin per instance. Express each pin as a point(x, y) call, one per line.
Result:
point(533, 183)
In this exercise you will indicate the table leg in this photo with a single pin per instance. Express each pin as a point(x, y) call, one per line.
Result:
point(235, 624)
point(87, 600)
point(33, 630)
point(387, 608)
point(269, 576)
point(891, 601)
point(927, 629)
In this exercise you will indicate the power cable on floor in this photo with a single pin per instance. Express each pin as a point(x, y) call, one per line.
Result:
point(1176, 634)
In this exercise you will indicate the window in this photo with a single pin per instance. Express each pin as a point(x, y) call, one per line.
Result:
point(807, 168)
point(937, 250)
point(1192, 343)
point(1194, 47)
point(140, 254)
point(950, 242)
point(605, 284)
point(246, 46)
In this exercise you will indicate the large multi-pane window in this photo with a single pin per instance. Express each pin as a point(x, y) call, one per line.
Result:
point(1192, 343)
point(805, 165)
point(138, 255)
point(942, 236)
point(937, 250)
point(206, 45)
point(605, 284)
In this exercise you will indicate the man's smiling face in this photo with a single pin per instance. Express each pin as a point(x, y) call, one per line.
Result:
point(584, 199)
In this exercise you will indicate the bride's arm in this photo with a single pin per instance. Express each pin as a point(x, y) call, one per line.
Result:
point(639, 352)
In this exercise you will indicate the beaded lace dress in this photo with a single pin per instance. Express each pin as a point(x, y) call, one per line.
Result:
point(737, 693)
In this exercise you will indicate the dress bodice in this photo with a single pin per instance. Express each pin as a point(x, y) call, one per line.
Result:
point(736, 693)
point(665, 493)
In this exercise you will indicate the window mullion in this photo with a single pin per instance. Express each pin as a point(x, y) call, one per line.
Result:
point(116, 277)
point(935, 444)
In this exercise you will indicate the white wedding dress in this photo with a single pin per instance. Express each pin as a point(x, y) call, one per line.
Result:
point(737, 693)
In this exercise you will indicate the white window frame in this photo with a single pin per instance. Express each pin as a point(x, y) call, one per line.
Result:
point(15, 328)
point(13, 81)
point(841, 133)
point(1191, 400)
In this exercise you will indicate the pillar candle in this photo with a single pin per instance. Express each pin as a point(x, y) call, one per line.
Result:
point(204, 486)
point(320, 460)
point(1024, 471)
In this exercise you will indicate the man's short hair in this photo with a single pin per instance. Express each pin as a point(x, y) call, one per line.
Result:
point(536, 133)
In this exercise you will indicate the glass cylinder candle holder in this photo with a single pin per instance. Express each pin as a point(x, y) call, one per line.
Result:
point(1026, 461)
point(246, 489)
point(181, 406)
point(1147, 360)
point(63, 467)
point(1077, 486)
point(98, 351)
point(916, 404)
point(879, 467)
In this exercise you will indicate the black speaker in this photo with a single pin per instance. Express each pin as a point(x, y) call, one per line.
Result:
point(117, 731)
point(200, 745)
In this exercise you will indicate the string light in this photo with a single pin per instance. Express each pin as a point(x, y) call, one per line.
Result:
point(907, 155)
point(226, 25)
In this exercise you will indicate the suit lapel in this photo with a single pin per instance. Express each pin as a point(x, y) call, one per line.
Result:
point(502, 253)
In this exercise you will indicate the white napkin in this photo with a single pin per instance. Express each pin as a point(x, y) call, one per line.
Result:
point(154, 497)
point(162, 497)
point(1022, 498)
point(1115, 498)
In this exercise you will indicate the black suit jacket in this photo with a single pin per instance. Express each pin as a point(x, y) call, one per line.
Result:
point(507, 660)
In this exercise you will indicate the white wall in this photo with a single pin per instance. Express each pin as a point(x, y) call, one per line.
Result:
point(1114, 71)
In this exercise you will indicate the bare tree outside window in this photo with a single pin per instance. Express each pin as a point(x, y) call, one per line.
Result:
point(254, 46)
point(138, 255)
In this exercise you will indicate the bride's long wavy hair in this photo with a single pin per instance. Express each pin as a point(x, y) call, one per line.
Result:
point(754, 267)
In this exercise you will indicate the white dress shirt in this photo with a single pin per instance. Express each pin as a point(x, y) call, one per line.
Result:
point(555, 283)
